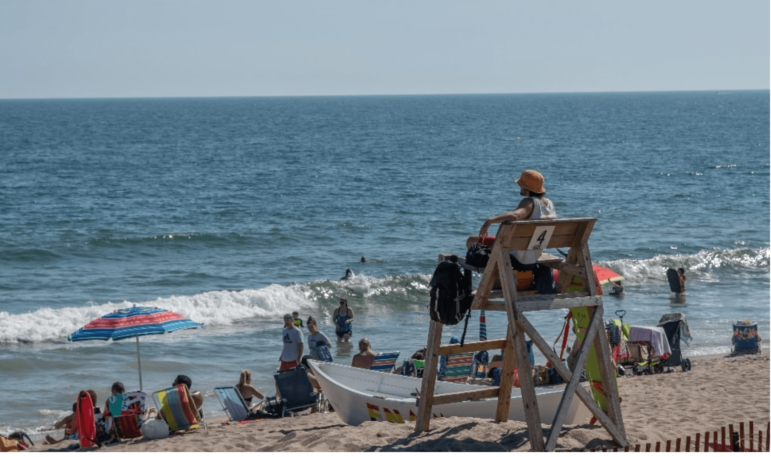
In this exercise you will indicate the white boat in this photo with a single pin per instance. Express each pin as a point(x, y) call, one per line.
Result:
point(363, 395)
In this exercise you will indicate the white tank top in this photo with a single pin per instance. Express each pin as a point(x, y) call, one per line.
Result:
point(541, 211)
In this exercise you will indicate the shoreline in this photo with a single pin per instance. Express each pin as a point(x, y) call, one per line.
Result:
point(717, 392)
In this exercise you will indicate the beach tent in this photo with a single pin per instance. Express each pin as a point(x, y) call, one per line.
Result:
point(132, 323)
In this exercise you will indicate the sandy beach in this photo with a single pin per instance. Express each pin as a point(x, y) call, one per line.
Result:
point(717, 392)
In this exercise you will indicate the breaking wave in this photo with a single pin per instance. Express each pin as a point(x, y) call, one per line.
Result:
point(225, 308)
point(705, 264)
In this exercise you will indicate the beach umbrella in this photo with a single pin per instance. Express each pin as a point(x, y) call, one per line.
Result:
point(603, 275)
point(132, 323)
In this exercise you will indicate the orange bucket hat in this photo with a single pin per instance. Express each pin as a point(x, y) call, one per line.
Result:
point(531, 180)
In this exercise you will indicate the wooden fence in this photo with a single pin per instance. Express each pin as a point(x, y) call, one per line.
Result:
point(717, 441)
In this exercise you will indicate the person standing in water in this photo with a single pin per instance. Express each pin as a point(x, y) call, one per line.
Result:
point(291, 356)
point(343, 317)
point(348, 275)
point(681, 274)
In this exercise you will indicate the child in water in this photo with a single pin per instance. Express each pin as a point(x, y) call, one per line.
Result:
point(296, 318)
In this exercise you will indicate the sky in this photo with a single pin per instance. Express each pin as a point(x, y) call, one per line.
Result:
point(194, 48)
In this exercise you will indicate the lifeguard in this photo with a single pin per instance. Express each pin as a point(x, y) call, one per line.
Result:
point(535, 206)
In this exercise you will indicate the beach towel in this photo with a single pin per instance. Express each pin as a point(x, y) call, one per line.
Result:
point(656, 336)
point(126, 412)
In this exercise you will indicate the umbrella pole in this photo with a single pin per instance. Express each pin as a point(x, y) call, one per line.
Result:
point(139, 364)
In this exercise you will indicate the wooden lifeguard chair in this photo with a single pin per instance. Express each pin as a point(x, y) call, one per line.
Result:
point(530, 235)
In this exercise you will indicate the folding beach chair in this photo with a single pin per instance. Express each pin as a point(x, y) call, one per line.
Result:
point(296, 390)
point(458, 367)
point(178, 408)
point(385, 362)
point(233, 403)
point(125, 413)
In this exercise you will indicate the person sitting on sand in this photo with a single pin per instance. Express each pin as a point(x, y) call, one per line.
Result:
point(70, 423)
point(117, 388)
point(66, 423)
point(365, 357)
point(246, 389)
point(343, 317)
point(197, 397)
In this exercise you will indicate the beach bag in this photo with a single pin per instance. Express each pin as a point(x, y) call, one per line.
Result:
point(450, 292)
point(478, 255)
point(154, 429)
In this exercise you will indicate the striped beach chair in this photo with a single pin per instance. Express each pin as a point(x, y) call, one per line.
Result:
point(125, 411)
point(232, 403)
point(177, 408)
point(458, 367)
point(385, 362)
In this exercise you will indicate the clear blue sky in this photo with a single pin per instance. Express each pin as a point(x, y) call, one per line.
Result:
point(171, 48)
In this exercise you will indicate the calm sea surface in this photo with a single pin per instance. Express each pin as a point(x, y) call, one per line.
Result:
point(235, 211)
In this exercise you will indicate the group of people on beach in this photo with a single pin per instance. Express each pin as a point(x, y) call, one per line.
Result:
point(533, 206)
point(101, 415)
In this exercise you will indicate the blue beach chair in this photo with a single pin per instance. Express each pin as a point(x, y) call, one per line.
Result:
point(296, 390)
point(385, 362)
point(232, 403)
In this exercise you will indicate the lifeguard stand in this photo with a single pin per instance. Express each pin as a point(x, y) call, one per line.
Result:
point(530, 235)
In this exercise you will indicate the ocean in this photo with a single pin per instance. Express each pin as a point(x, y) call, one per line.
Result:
point(235, 211)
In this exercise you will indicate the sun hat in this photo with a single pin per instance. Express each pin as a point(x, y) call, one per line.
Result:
point(288, 316)
point(531, 180)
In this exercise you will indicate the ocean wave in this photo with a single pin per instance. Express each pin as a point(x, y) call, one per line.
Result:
point(205, 238)
point(226, 308)
point(704, 264)
point(368, 295)
point(29, 255)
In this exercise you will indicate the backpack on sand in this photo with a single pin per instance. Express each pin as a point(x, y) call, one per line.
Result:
point(450, 294)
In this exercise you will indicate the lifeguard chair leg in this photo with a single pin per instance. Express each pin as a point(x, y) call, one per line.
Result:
point(430, 369)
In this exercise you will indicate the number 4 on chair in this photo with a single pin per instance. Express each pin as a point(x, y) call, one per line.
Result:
point(541, 238)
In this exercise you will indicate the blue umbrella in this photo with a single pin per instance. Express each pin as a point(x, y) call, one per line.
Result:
point(133, 323)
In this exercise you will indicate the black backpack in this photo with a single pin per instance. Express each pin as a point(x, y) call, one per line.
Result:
point(477, 256)
point(450, 294)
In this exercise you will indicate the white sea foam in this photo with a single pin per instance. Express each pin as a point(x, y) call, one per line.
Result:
point(210, 308)
point(225, 308)
point(704, 264)
point(216, 308)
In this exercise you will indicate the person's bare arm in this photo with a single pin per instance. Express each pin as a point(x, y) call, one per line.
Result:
point(251, 391)
point(350, 315)
point(523, 211)
point(301, 348)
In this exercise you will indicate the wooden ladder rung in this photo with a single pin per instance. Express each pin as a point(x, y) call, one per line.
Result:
point(473, 346)
point(468, 395)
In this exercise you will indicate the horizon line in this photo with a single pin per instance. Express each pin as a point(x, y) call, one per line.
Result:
point(379, 95)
